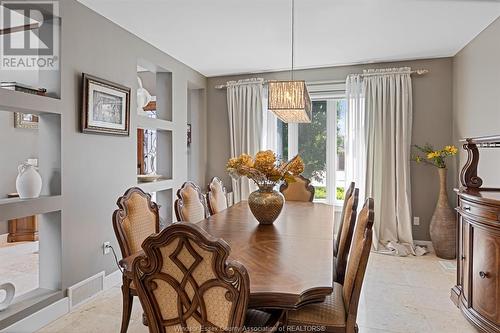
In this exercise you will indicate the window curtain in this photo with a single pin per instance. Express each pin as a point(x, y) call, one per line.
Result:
point(380, 119)
point(246, 123)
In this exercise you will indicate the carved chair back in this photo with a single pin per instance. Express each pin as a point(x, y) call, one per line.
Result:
point(186, 284)
point(216, 196)
point(300, 190)
point(347, 196)
point(135, 219)
point(190, 205)
point(358, 259)
point(345, 234)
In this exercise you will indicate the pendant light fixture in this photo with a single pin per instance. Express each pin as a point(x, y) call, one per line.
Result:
point(289, 100)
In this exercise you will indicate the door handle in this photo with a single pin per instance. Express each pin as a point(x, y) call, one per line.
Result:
point(483, 275)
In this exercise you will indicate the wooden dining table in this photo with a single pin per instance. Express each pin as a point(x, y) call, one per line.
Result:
point(290, 263)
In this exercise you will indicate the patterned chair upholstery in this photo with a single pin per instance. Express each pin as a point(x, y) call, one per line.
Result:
point(135, 219)
point(345, 235)
point(216, 196)
point(300, 190)
point(190, 205)
point(347, 195)
point(339, 310)
point(186, 284)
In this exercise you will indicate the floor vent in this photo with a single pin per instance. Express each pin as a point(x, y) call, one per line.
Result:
point(85, 290)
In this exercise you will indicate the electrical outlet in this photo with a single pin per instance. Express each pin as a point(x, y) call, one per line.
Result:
point(416, 220)
point(106, 247)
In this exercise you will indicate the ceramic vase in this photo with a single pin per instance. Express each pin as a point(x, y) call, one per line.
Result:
point(443, 223)
point(266, 204)
point(10, 290)
point(28, 182)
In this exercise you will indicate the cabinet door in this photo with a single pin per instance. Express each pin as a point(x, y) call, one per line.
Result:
point(485, 274)
point(464, 253)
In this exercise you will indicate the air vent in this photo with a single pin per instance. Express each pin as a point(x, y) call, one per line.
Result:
point(85, 290)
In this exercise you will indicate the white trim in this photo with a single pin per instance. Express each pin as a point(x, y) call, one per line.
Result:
point(40, 318)
point(427, 244)
point(113, 279)
point(3, 239)
point(331, 148)
point(293, 140)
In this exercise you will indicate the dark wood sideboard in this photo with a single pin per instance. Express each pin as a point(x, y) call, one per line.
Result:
point(477, 292)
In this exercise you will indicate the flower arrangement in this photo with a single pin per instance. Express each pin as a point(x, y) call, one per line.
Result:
point(434, 157)
point(266, 170)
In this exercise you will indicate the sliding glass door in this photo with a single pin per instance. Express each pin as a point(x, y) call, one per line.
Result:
point(321, 146)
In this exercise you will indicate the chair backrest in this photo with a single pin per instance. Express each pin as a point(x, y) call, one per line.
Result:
point(345, 234)
point(300, 190)
point(216, 196)
point(347, 196)
point(135, 219)
point(186, 284)
point(190, 205)
point(358, 259)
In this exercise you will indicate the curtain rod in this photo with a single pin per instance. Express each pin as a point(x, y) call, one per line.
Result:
point(416, 72)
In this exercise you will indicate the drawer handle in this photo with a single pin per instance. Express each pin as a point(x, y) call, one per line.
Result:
point(463, 257)
point(467, 208)
point(483, 275)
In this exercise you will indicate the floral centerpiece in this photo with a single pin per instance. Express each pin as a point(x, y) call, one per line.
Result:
point(442, 226)
point(266, 170)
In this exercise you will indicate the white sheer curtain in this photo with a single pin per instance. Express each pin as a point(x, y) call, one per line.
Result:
point(380, 114)
point(246, 123)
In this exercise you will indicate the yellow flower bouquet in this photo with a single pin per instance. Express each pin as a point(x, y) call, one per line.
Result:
point(434, 157)
point(265, 169)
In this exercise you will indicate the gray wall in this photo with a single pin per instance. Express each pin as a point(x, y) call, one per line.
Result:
point(97, 169)
point(16, 145)
point(476, 97)
point(197, 158)
point(432, 122)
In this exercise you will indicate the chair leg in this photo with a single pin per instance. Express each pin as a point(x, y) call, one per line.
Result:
point(128, 300)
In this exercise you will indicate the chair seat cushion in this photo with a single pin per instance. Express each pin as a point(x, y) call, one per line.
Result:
point(256, 320)
point(331, 312)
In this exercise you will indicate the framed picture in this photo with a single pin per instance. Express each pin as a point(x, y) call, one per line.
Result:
point(25, 120)
point(106, 107)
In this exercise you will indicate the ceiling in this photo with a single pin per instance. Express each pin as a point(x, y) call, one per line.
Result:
point(220, 37)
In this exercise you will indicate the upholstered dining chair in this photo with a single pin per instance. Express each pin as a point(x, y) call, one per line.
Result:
point(299, 190)
point(345, 234)
point(186, 284)
point(339, 310)
point(347, 196)
point(216, 196)
point(190, 205)
point(135, 219)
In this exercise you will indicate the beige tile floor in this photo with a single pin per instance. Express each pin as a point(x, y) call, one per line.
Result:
point(400, 295)
point(19, 265)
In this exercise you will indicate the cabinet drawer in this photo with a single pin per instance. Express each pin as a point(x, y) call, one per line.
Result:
point(485, 275)
point(491, 213)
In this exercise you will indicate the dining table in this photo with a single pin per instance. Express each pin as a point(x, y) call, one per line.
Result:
point(290, 262)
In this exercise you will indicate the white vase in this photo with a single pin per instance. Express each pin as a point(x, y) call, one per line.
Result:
point(10, 290)
point(28, 182)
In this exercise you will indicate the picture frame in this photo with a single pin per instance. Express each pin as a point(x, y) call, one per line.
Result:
point(25, 120)
point(105, 107)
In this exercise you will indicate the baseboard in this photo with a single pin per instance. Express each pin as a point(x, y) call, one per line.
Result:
point(113, 279)
point(427, 244)
point(40, 319)
point(3, 239)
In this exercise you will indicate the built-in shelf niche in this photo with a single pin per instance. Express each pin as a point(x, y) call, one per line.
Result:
point(158, 82)
point(154, 152)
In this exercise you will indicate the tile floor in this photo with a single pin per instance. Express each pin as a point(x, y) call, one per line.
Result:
point(19, 265)
point(400, 295)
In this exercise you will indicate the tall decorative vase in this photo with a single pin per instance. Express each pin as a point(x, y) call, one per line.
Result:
point(443, 223)
point(266, 204)
point(28, 182)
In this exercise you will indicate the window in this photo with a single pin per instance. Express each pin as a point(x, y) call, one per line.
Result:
point(321, 146)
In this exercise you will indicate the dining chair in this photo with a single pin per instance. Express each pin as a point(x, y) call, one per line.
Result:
point(345, 235)
point(347, 195)
point(186, 283)
point(216, 196)
point(299, 190)
point(339, 310)
point(190, 205)
point(135, 219)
